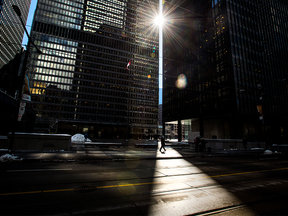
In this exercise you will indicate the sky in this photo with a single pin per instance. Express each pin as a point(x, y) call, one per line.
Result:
point(29, 20)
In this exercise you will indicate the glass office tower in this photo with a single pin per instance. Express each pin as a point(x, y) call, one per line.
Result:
point(237, 79)
point(11, 29)
point(258, 37)
point(83, 83)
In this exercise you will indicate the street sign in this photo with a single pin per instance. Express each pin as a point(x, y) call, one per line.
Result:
point(26, 97)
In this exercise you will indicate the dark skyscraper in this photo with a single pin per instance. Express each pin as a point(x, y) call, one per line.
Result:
point(82, 82)
point(237, 71)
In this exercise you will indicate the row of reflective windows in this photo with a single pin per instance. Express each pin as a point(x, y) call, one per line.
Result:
point(115, 99)
point(96, 115)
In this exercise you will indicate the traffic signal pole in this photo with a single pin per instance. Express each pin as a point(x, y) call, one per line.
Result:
point(21, 82)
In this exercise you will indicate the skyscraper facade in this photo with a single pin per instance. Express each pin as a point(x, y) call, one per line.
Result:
point(99, 70)
point(238, 84)
point(11, 29)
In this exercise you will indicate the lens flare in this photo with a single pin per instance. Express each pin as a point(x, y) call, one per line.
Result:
point(159, 20)
point(181, 82)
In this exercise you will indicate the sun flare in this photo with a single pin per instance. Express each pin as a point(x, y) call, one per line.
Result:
point(159, 20)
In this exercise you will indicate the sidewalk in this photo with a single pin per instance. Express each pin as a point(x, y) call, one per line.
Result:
point(121, 153)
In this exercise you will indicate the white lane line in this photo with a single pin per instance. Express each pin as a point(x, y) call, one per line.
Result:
point(39, 170)
point(200, 163)
point(81, 152)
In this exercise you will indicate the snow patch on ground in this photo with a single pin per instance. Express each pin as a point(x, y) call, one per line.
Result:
point(257, 148)
point(267, 152)
point(79, 138)
point(9, 157)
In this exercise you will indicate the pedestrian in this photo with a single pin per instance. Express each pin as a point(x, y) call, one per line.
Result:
point(86, 137)
point(244, 143)
point(196, 143)
point(162, 144)
point(203, 145)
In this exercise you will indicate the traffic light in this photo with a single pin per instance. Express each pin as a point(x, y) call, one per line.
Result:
point(153, 54)
point(149, 75)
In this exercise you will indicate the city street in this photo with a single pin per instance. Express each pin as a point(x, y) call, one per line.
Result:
point(92, 92)
point(203, 185)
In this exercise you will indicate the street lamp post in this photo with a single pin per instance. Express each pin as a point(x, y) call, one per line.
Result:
point(160, 22)
point(22, 75)
point(18, 12)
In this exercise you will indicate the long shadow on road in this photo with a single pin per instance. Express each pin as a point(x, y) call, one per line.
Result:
point(121, 187)
point(178, 182)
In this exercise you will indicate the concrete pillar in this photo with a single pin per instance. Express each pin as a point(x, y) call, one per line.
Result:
point(201, 125)
point(179, 131)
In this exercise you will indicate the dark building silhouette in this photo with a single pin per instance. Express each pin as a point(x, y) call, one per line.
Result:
point(11, 36)
point(80, 83)
point(233, 55)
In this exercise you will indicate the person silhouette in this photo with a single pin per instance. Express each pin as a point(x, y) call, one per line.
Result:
point(197, 142)
point(86, 137)
point(162, 144)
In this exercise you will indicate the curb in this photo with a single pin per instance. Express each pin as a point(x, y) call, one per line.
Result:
point(73, 156)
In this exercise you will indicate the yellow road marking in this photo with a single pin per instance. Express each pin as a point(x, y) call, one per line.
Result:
point(57, 190)
point(17, 193)
point(108, 186)
point(137, 184)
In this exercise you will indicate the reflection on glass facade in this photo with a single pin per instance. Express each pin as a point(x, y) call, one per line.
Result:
point(80, 82)
point(66, 14)
point(244, 66)
point(56, 64)
point(104, 12)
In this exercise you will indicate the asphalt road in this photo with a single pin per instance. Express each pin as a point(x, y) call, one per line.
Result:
point(223, 185)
